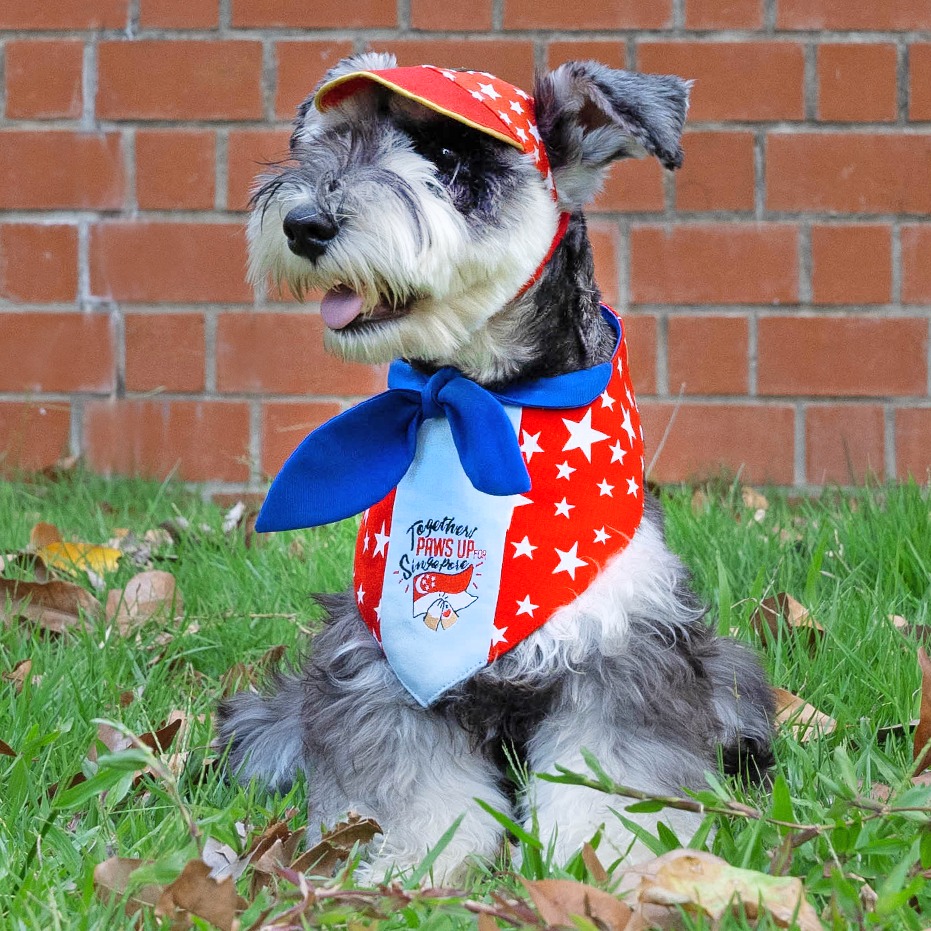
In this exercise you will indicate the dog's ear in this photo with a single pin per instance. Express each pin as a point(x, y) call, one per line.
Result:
point(589, 115)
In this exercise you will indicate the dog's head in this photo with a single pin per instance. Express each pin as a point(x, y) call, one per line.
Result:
point(422, 227)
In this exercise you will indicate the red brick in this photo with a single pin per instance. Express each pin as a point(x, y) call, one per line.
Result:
point(632, 185)
point(157, 262)
point(851, 264)
point(708, 355)
point(853, 14)
point(734, 80)
point(587, 14)
point(172, 80)
point(913, 443)
point(322, 14)
point(708, 439)
point(723, 14)
point(855, 356)
point(919, 81)
point(734, 263)
point(34, 91)
point(916, 264)
point(164, 352)
point(285, 424)
point(718, 173)
point(857, 82)
point(175, 169)
point(300, 65)
point(179, 14)
point(428, 14)
point(38, 262)
point(509, 59)
point(844, 443)
point(196, 441)
point(32, 434)
point(604, 239)
point(56, 352)
point(247, 153)
point(75, 14)
point(282, 353)
point(640, 333)
point(848, 172)
point(607, 52)
point(54, 169)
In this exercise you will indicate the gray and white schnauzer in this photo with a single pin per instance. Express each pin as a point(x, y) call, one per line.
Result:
point(441, 212)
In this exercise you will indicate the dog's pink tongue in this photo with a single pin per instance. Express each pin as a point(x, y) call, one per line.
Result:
point(339, 307)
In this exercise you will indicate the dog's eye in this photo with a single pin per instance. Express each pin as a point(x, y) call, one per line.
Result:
point(447, 154)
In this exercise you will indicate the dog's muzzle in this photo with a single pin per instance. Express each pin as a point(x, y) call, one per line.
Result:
point(309, 233)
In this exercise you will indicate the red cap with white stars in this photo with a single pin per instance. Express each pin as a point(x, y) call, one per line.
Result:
point(475, 98)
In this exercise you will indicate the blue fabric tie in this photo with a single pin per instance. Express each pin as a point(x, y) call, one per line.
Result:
point(354, 460)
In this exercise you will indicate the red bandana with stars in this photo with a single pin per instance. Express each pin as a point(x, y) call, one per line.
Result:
point(444, 572)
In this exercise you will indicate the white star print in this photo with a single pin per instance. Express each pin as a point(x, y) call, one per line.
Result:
point(606, 489)
point(582, 436)
point(564, 470)
point(563, 508)
point(476, 95)
point(381, 539)
point(530, 445)
point(360, 595)
point(627, 426)
point(366, 542)
point(516, 107)
point(524, 548)
point(504, 117)
point(617, 454)
point(568, 561)
point(536, 156)
point(449, 74)
point(607, 401)
point(521, 134)
point(489, 91)
point(521, 93)
point(632, 486)
point(525, 607)
point(601, 536)
point(378, 611)
point(498, 634)
point(630, 399)
point(535, 132)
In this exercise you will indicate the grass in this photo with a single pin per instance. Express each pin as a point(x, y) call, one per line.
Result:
point(853, 559)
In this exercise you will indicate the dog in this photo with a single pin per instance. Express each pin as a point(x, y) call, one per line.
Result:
point(441, 212)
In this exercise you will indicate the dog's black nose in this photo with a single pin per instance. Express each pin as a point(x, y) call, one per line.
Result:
point(309, 233)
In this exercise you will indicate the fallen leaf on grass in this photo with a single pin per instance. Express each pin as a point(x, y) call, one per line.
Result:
point(113, 878)
point(223, 860)
point(55, 606)
point(146, 596)
point(593, 864)
point(923, 730)
point(195, 892)
point(43, 534)
point(18, 674)
point(703, 884)
point(6, 749)
point(158, 741)
point(336, 845)
point(805, 720)
point(559, 900)
point(783, 611)
point(754, 499)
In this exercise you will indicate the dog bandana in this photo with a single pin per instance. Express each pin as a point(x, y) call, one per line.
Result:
point(484, 512)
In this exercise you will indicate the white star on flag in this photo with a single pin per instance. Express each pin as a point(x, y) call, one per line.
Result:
point(630, 397)
point(476, 95)
point(582, 436)
point(563, 508)
point(381, 539)
point(378, 611)
point(521, 134)
point(564, 470)
point(524, 548)
point(530, 444)
point(521, 93)
point(516, 107)
point(489, 90)
point(504, 117)
point(620, 369)
point(632, 486)
point(498, 634)
point(525, 607)
point(606, 489)
point(617, 454)
point(601, 536)
point(360, 595)
point(568, 561)
point(607, 401)
point(536, 156)
point(450, 75)
point(366, 542)
point(534, 132)
point(628, 427)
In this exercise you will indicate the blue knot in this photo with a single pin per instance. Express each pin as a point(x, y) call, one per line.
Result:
point(430, 393)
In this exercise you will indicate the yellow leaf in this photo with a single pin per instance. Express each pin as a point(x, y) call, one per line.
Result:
point(80, 557)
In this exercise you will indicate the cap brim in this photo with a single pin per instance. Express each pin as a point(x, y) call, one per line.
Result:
point(423, 85)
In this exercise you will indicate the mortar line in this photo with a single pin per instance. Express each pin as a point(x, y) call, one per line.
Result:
point(889, 457)
point(799, 477)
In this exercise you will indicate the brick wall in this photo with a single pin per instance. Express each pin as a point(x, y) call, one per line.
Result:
point(777, 290)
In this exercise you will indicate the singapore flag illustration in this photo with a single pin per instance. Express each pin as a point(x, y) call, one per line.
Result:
point(439, 597)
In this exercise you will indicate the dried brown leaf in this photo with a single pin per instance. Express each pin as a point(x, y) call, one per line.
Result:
point(700, 502)
point(223, 860)
point(783, 611)
point(557, 900)
point(487, 922)
point(805, 720)
point(594, 865)
point(753, 498)
point(18, 674)
point(146, 596)
point(920, 754)
point(195, 892)
point(113, 877)
point(55, 606)
point(43, 534)
point(336, 845)
point(6, 749)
